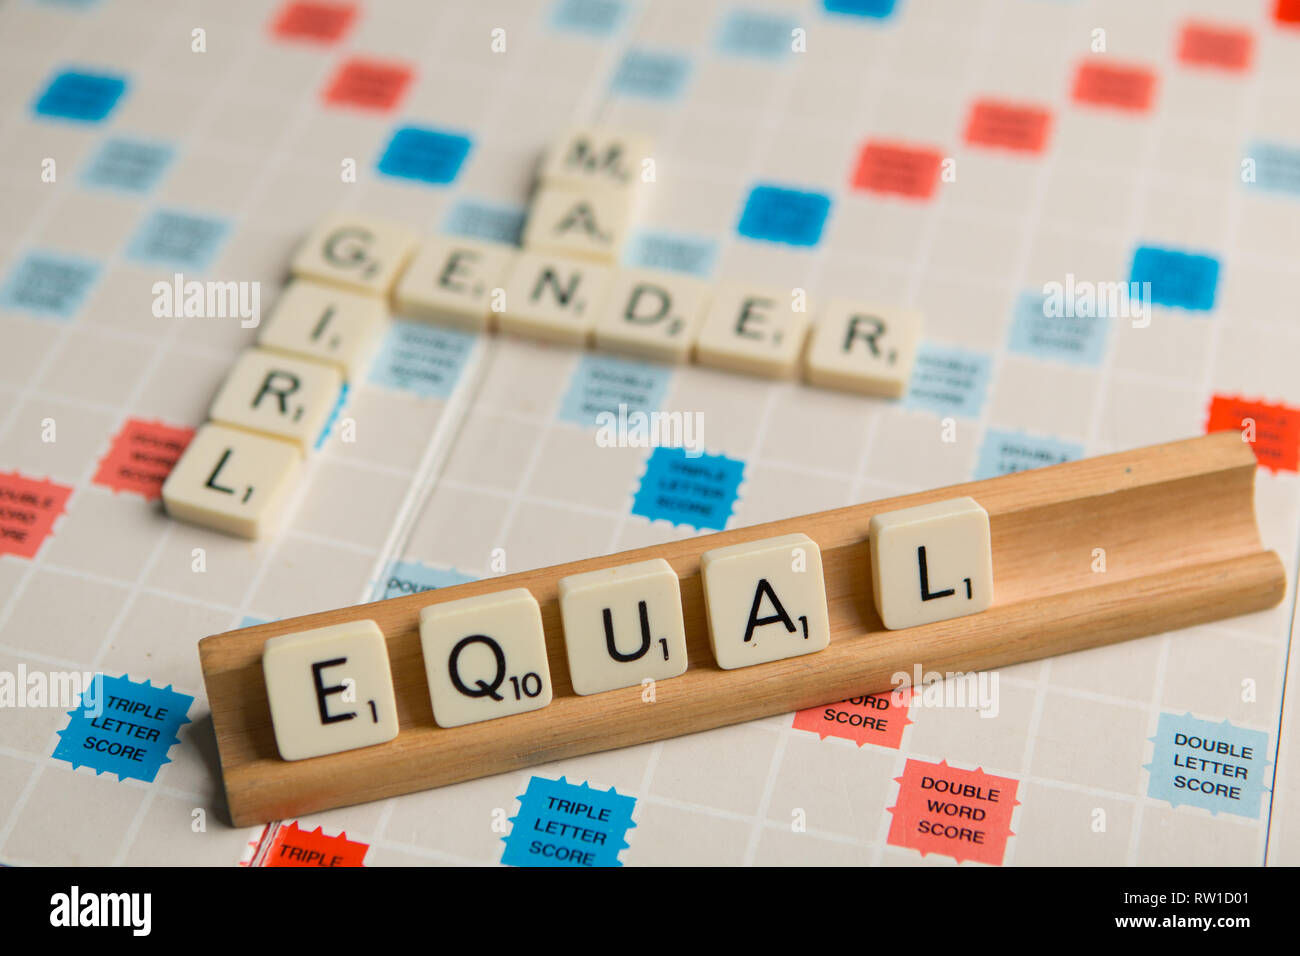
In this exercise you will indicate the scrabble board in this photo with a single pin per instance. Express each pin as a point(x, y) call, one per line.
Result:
point(981, 163)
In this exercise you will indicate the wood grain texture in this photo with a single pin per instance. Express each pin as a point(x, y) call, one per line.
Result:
point(1177, 523)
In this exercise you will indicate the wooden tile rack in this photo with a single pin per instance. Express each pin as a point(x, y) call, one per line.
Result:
point(1177, 523)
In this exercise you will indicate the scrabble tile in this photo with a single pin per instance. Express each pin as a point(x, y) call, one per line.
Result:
point(233, 481)
point(652, 314)
point(858, 347)
point(931, 562)
point(623, 625)
point(452, 280)
point(330, 690)
point(753, 330)
point(589, 222)
point(596, 156)
point(765, 600)
point(485, 657)
point(356, 252)
point(279, 395)
point(548, 297)
point(326, 324)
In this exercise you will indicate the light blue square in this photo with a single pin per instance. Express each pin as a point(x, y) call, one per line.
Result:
point(415, 577)
point(762, 36)
point(130, 165)
point(494, 222)
point(651, 75)
point(1188, 760)
point(779, 214)
point(1077, 339)
point(948, 380)
point(81, 97)
point(177, 239)
point(1277, 167)
point(602, 384)
point(48, 284)
point(694, 255)
point(1004, 452)
point(599, 18)
point(421, 358)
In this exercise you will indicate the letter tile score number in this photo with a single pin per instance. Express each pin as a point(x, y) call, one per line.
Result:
point(1178, 520)
point(765, 600)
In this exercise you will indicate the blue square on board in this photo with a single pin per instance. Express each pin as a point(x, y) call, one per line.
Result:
point(878, 9)
point(761, 35)
point(1276, 167)
point(656, 76)
point(495, 222)
point(1183, 280)
point(48, 284)
point(777, 214)
point(426, 155)
point(1065, 334)
point(595, 17)
point(130, 165)
point(698, 492)
point(677, 253)
point(83, 97)
point(178, 239)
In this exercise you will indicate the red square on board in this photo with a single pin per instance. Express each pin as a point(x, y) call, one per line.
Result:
point(1273, 431)
point(28, 510)
point(294, 847)
point(1122, 87)
point(901, 170)
point(319, 22)
point(1202, 44)
point(369, 84)
point(937, 794)
point(1008, 125)
point(141, 457)
point(1287, 11)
